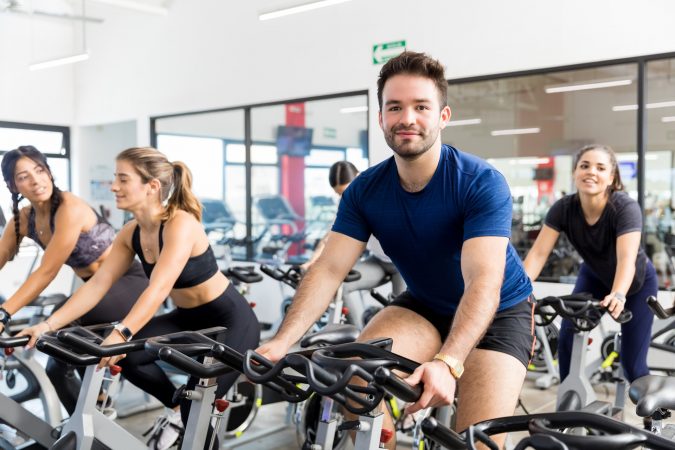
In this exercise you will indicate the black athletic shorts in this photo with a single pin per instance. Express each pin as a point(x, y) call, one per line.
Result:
point(511, 331)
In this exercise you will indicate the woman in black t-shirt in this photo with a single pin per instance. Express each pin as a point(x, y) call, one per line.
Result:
point(605, 227)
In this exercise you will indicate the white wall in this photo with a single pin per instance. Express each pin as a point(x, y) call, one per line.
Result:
point(46, 96)
point(94, 161)
point(214, 54)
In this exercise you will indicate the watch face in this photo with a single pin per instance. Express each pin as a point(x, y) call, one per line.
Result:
point(4, 317)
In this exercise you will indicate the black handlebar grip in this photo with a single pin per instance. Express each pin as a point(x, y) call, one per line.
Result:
point(15, 341)
point(658, 310)
point(52, 348)
point(245, 274)
point(397, 386)
point(625, 316)
point(441, 434)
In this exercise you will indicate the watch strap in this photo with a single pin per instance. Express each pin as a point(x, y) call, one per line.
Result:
point(455, 365)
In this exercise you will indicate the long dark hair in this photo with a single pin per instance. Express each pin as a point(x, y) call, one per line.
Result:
point(342, 172)
point(617, 184)
point(8, 169)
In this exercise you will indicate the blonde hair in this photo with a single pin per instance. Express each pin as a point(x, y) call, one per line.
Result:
point(175, 179)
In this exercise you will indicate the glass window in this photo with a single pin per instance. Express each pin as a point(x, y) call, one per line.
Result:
point(204, 157)
point(293, 145)
point(660, 167)
point(529, 128)
point(208, 143)
point(263, 154)
point(235, 153)
point(48, 142)
point(324, 157)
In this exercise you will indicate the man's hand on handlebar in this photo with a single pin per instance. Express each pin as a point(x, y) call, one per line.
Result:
point(439, 385)
point(613, 304)
point(274, 350)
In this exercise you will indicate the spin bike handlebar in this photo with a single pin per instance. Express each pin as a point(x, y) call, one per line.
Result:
point(178, 349)
point(84, 340)
point(52, 346)
point(615, 434)
point(14, 341)
point(291, 276)
point(396, 386)
point(658, 310)
point(245, 274)
point(582, 310)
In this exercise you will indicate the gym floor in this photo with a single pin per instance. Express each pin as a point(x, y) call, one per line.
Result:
point(274, 417)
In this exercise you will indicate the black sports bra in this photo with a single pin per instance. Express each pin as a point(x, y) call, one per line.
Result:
point(197, 269)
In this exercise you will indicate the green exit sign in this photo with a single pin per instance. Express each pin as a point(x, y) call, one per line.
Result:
point(330, 133)
point(384, 52)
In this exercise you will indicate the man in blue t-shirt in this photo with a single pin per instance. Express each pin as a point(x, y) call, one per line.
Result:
point(444, 218)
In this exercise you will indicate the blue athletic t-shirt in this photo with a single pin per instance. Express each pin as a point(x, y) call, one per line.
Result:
point(423, 232)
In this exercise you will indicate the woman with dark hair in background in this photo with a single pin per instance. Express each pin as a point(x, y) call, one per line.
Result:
point(605, 226)
point(168, 237)
point(70, 232)
point(376, 269)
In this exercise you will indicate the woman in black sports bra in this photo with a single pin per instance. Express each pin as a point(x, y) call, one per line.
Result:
point(170, 241)
point(71, 233)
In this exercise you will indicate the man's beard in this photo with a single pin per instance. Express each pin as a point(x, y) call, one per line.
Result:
point(407, 149)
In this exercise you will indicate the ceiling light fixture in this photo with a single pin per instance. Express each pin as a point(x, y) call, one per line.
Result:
point(515, 131)
point(648, 105)
point(71, 59)
point(585, 86)
point(59, 61)
point(136, 6)
point(668, 119)
point(354, 109)
point(459, 123)
point(299, 9)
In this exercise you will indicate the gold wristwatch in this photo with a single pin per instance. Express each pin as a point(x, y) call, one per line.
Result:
point(454, 364)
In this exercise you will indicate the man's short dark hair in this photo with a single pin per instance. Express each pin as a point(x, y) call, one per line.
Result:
point(413, 63)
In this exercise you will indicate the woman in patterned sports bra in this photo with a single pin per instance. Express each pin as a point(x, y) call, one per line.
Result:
point(71, 233)
point(169, 238)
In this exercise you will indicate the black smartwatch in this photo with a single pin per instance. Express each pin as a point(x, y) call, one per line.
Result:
point(4, 316)
point(124, 331)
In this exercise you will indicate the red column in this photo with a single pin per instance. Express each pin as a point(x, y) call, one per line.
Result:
point(293, 169)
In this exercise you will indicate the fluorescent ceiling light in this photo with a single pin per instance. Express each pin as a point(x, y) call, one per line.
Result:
point(515, 131)
point(354, 109)
point(585, 86)
point(136, 6)
point(668, 119)
point(529, 161)
point(624, 108)
point(634, 157)
point(59, 61)
point(459, 123)
point(299, 9)
point(648, 105)
point(660, 105)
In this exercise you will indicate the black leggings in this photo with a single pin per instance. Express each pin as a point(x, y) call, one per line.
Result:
point(113, 306)
point(229, 310)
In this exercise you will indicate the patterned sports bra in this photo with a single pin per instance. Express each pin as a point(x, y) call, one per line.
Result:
point(90, 245)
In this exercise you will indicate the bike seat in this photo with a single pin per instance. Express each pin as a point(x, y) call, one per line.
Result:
point(331, 335)
point(48, 300)
point(652, 392)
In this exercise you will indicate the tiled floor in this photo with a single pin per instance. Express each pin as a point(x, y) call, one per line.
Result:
point(274, 417)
